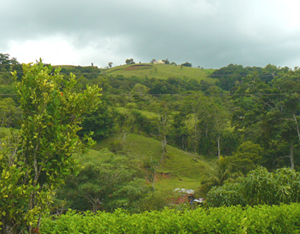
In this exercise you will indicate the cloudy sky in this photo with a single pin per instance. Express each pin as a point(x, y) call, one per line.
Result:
point(207, 33)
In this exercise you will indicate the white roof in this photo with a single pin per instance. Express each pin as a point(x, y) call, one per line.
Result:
point(183, 190)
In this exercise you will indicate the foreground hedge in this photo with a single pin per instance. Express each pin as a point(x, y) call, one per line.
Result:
point(259, 219)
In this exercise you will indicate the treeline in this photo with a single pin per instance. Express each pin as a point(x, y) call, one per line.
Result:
point(260, 105)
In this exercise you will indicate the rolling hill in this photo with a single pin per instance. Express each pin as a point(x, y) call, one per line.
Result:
point(179, 169)
point(160, 71)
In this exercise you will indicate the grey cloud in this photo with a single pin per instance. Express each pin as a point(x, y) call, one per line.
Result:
point(206, 33)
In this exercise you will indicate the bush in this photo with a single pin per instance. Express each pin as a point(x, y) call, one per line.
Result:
point(235, 219)
point(257, 188)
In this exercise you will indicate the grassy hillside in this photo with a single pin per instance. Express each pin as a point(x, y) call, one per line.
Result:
point(161, 71)
point(179, 169)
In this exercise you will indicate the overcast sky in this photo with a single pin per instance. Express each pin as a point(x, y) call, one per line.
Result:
point(207, 33)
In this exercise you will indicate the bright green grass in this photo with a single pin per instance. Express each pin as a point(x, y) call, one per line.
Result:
point(172, 183)
point(161, 71)
point(182, 169)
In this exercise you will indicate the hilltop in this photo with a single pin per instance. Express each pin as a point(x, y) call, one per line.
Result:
point(142, 70)
point(160, 71)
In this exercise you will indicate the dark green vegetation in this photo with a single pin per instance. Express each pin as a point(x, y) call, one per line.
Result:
point(161, 127)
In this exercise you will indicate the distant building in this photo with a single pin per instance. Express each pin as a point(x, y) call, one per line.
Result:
point(159, 62)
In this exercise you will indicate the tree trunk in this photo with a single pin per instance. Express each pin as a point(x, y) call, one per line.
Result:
point(195, 129)
point(219, 150)
point(292, 156)
point(124, 137)
point(163, 145)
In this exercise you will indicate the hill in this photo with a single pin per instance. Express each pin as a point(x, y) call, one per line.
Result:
point(160, 71)
point(179, 169)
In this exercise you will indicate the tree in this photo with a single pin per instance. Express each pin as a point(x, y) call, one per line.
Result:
point(216, 175)
point(42, 157)
point(7, 64)
point(110, 64)
point(247, 157)
point(106, 181)
point(274, 109)
point(102, 122)
point(186, 64)
point(139, 92)
point(126, 124)
point(166, 61)
point(8, 112)
point(257, 188)
point(164, 124)
point(129, 61)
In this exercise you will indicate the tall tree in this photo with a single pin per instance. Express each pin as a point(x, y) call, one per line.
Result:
point(274, 108)
point(164, 124)
point(42, 157)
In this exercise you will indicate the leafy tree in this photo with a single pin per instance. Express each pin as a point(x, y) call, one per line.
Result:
point(259, 187)
point(166, 61)
point(110, 64)
point(164, 124)
point(125, 124)
point(216, 175)
point(42, 156)
point(129, 61)
point(220, 122)
point(186, 64)
point(229, 194)
point(102, 122)
point(274, 109)
point(9, 113)
point(247, 157)
point(139, 92)
point(105, 182)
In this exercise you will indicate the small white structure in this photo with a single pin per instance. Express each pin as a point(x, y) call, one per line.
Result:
point(159, 62)
point(185, 191)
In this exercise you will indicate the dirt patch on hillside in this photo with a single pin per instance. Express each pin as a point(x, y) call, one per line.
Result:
point(138, 67)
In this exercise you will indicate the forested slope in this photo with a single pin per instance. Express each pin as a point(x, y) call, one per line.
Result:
point(178, 126)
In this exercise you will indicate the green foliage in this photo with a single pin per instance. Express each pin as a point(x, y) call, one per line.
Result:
point(227, 195)
point(247, 157)
point(129, 61)
point(106, 181)
point(217, 175)
point(9, 113)
point(40, 156)
point(186, 64)
point(102, 122)
point(261, 219)
point(184, 169)
point(259, 187)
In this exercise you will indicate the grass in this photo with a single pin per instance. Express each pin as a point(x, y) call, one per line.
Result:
point(161, 71)
point(179, 169)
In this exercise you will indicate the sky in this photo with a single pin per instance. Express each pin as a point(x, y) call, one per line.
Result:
point(206, 33)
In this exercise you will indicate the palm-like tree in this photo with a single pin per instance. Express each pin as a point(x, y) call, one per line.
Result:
point(216, 175)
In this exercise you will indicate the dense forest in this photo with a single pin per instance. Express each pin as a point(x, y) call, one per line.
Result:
point(234, 131)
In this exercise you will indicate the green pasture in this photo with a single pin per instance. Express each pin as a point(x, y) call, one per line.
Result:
point(160, 71)
point(178, 169)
